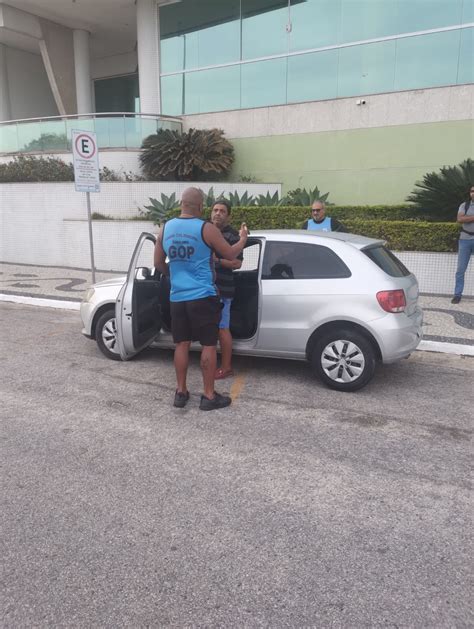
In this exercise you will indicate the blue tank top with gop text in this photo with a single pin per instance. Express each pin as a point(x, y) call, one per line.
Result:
point(323, 226)
point(190, 260)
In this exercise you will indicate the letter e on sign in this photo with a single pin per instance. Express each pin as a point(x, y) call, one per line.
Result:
point(86, 161)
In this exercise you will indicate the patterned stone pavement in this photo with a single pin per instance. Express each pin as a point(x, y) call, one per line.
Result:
point(443, 321)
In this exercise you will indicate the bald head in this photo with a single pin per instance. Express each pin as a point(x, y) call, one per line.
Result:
point(192, 201)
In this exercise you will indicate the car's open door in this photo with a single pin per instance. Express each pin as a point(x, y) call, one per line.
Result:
point(137, 309)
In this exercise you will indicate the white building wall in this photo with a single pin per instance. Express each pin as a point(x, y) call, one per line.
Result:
point(380, 110)
point(30, 93)
point(40, 222)
point(115, 65)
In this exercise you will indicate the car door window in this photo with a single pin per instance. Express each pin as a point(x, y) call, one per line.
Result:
point(301, 261)
point(251, 255)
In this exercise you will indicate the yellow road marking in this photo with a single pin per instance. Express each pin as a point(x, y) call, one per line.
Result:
point(237, 386)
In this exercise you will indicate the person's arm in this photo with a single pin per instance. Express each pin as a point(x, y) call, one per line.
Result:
point(160, 255)
point(229, 264)
point(214, 238)
point(304, 225)
point(463, 217)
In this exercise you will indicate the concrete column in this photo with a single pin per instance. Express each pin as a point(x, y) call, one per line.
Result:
point(148, 48)
point(82, 69)
point(5, 108)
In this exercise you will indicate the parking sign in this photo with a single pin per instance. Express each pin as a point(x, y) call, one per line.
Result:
point(86, 161)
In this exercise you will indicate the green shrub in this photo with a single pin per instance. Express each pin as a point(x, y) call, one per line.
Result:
point(409, 235)
point(24, 168)
point(196, 155)
point(31, 168)
point(97, 216)
point(402, 235)
point(286, 217)
point(441, 193)
point(159, 211)
point(305, 197)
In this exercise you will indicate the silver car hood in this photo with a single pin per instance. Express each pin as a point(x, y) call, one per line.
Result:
point(113, 281)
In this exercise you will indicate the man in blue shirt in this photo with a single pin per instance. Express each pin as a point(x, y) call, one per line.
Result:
point(189, 243)
point(320, 222)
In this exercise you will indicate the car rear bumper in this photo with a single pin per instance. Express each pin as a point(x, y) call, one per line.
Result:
point(399, 335)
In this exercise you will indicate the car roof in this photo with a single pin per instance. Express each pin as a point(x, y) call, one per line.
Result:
point(302, 235)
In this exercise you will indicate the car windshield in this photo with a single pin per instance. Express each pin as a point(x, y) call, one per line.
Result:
point(387, 261)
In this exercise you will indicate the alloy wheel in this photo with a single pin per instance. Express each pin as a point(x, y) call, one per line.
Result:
point(342, 361)
point(109, 336)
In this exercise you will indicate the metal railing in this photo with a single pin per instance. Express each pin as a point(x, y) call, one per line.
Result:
point(115, 130)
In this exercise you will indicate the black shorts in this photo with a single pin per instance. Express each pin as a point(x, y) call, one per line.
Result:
point(196, 320)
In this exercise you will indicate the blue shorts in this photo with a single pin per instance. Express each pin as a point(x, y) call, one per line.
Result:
point(225, 313)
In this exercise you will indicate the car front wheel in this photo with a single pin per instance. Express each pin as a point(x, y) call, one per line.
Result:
point(106, 335)
point(344, 360)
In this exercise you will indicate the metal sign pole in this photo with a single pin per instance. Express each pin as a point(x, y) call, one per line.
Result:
point(91, 241)
point(86, 175)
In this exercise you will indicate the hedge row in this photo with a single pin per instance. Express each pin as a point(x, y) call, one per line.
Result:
point(401, 235)
point(290, 214)
point(409, 235)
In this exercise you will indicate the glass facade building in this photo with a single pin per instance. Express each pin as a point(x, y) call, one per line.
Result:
point(237, 54)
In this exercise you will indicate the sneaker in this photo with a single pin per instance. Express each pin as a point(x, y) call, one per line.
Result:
point(456, 299)
point(181, 399)
point(218, 401)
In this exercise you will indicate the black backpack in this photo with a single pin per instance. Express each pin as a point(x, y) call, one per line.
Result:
point(466, 207)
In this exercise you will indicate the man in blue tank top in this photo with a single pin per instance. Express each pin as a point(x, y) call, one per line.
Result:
point(320, 222)
point(189, 243)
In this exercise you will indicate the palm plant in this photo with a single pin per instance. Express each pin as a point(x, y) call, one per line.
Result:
point(246, 200)
point(196, 155)
point(210, 197)
point(305, 197)
point(269, 199)
point(159, 211)
point(440, 193)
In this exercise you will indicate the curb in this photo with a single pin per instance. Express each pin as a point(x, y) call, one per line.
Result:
point(424, 346)
point(38, 301)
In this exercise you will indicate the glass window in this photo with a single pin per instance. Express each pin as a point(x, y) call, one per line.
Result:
point(387, 261)
point(301, 261)
point(9, 138)
point(205, 33)
point(466, 56)
point(367, 19)
point(313, 76)
point(366, 69)
point(468, 12)
point(119, 93)
point(314, 24)
point(264, 28)
point(110, 132)
point(251, 257)
point(427, 60)
point(172, 54)
point(172, 95)
point(212, 90)
point(263, 83)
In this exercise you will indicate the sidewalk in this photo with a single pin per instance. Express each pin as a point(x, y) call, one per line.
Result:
point(443, 321)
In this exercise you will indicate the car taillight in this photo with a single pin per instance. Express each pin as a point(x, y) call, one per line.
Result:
point(392, 300)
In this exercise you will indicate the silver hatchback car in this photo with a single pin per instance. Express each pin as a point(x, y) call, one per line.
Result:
point(343, 302)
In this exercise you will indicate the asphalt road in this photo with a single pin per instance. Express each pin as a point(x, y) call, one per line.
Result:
point(297, 506)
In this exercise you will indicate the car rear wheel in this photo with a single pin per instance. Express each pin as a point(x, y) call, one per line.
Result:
point(106, 335)
point(344, 360)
